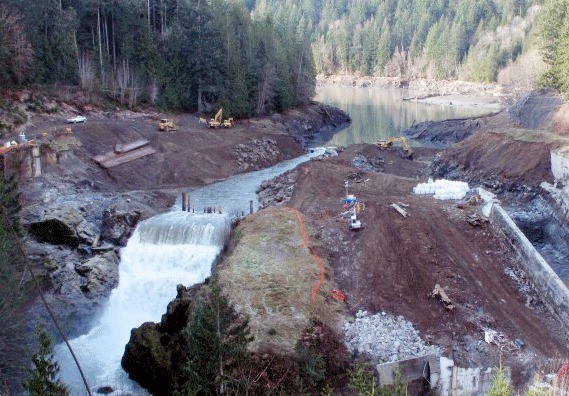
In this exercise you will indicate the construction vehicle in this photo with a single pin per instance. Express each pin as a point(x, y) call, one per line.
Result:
point(385, 144)
point(166, 125)
point(228, 123)
point(216, 121)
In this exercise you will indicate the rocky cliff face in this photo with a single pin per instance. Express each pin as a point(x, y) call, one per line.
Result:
point(74, 243)
point(155, 352)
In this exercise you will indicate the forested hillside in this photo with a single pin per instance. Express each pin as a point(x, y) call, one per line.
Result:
point(259, 56)
point(178, 54)
point(554, 27)
point(468, 39)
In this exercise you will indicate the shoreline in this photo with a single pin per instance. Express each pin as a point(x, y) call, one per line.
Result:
point(438, 92)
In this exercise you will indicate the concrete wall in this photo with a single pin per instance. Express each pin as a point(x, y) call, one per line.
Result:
point(553, 291)
point(560, 164)
point(442, 374)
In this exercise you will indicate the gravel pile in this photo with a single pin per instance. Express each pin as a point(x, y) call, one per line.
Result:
point(385, 337)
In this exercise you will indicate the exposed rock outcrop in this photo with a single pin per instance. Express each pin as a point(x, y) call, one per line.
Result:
point(119, 222)
point(155, 351)
point(65, 225)
point(73, 243)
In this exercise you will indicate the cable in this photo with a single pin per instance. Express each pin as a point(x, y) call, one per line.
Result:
point(46, 305)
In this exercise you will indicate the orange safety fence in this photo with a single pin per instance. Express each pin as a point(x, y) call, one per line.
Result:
point(317, 258)
point(563, 371)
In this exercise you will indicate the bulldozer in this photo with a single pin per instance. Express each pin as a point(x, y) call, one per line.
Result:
point(166, 125)
point(216, 121)
point(385, 144)
point(228, 123)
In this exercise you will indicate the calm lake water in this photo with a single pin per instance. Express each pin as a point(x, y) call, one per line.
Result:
point(378, 113)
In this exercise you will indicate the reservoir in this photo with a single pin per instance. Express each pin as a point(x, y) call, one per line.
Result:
point(378, 113)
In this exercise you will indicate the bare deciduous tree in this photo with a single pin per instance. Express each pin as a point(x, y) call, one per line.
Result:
point(124, 85)
point(266, 87)
point(16, 53)
point(86, 72)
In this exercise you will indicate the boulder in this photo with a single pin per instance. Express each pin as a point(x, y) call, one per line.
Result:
point(155, 354)
point(64, 225)
point(119, 222)
point(100, 273)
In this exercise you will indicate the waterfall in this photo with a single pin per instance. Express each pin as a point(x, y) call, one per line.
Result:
point(166, 250)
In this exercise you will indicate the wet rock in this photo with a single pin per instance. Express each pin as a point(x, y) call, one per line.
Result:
point(100, 273)
point(278, 190)
point(155, 353)
point(119, 222)
point(105, 390)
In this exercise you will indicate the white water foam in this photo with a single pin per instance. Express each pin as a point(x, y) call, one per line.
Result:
point(164, 251)
point(167, 250)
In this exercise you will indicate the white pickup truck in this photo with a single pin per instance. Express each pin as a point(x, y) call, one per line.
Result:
point(77, 119)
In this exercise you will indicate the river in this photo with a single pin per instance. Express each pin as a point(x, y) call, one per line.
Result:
point(165, 250)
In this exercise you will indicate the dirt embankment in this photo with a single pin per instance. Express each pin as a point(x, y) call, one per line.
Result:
point(394, 264)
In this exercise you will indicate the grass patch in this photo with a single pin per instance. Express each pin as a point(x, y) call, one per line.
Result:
point(270, 275)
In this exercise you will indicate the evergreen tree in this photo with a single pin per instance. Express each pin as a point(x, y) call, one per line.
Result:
point(43, 377)
point(217, 342)
point(13, 294)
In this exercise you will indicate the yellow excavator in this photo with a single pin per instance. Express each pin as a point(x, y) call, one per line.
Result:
point(216, 121)
point(385, 144)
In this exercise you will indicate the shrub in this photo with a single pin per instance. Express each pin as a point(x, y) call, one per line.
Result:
point(500, 384)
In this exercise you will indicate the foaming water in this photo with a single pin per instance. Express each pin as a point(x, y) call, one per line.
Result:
point(164, 251)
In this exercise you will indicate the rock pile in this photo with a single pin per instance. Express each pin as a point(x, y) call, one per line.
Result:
point(256, 154)
point(278, 190)
point(385, 338)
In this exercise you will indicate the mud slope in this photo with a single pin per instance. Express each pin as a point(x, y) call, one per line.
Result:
point(192, 155)
point(497, 161)
point(395, 262)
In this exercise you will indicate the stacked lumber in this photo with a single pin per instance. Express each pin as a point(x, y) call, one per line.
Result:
point(124, 153)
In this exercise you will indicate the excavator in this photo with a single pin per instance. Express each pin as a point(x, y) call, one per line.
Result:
point(216, 121)
point(385, 144)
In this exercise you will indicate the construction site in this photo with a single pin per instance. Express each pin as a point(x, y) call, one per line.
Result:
point(475, 289)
